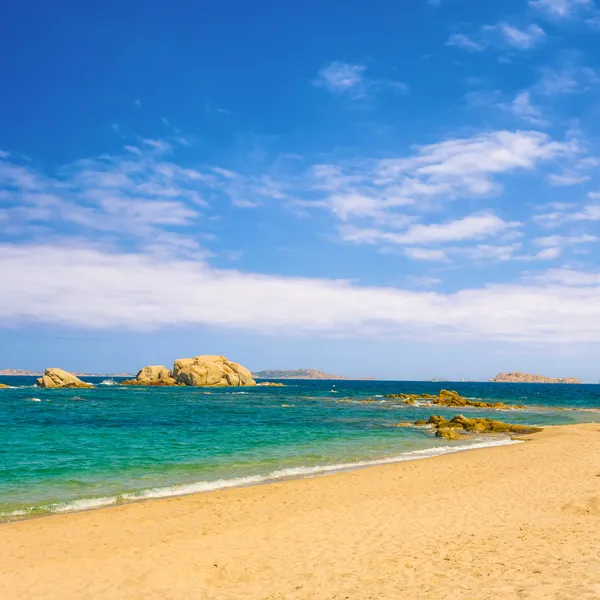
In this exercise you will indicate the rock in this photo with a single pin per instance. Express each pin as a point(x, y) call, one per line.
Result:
point(153, 376)
point(518, 377)
point(57, 378)
point(452, 399)
point(447, 429)
point(270, 384)
point(206, 370)
point(3, 386)
point(403, 424)
point(449, 434)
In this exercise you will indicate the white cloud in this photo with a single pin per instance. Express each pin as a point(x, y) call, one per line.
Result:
point(426, 254)
point(570, 214)
point(502, 35)
point(548, 254)
point(347, 78)
point(92, 289)
point(562, 240)
point(567, 179)
point(569, 79)
point(591, 212)
point(520, 106)
point(340, 77)
point(568, 277)
point(523, 39)
point(561, 9)
point(424, 281)
point(523, 108)
point(460, 40)
point(472, 227)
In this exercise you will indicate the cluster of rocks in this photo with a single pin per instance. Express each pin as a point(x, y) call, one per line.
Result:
point(452, 399)
point(58, 378)
point(208, 370)
point(453, 429)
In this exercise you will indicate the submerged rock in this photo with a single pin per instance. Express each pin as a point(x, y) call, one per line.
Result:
point(460, 425)
point(58, 378)
point(208, 370)
point(270, 384)
point(452, 399)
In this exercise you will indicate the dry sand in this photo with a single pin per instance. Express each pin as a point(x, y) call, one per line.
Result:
point(518, 521)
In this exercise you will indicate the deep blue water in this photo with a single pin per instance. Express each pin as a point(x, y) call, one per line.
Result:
point(71, 449)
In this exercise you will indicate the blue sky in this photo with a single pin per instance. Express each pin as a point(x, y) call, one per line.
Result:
point(398, 190)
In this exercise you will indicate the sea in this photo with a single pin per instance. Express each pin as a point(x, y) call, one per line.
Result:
point(69, 450)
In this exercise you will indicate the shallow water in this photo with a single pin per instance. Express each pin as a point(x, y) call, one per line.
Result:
point(72, 449)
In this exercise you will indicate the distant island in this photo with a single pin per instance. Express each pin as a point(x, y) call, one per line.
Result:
point(26, 373)
point(517, 377)
point(19, 373)
point(295, 374)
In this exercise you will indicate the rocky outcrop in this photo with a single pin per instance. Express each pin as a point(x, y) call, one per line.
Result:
point(461, 425)
point(3, 386)
point(153, 375)
point(452, 399)
point(270, 384)
point(208, 370)
point(518, 377)
point(57, 378)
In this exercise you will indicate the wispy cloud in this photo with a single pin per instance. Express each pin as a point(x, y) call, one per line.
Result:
point(340, 77)
point(521, 106)
point(351, 80)
point(561, 9)
point(568, 79)
point(502, 35)
point(472, 227)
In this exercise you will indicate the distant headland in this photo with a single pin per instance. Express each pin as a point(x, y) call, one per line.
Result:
point(295, 374)
point(26, 373)
point(518, 377)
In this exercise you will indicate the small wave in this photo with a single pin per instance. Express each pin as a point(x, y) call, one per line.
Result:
point(234, 393)
point(35, 399)
point(220, 484)
point(108, 382)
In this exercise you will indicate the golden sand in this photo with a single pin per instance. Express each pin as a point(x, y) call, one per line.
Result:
point(519, 521)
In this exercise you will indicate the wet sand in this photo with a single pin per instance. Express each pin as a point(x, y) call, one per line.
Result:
point(519, 521)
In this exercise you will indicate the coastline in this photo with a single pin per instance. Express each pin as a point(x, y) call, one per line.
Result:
point(282, 475)
point(512, 521)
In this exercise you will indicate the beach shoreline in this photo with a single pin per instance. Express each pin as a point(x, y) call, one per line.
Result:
point(513, 521)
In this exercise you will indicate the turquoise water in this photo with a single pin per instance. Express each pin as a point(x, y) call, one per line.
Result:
point(66, 450)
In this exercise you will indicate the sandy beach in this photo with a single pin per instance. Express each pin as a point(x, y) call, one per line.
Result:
point(519, 521)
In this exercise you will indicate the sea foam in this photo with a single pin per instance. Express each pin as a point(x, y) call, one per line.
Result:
point(299, 472)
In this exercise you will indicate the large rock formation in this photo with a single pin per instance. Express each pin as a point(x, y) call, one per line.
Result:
point(518, 377)
point(57, 378)
point(206, 370)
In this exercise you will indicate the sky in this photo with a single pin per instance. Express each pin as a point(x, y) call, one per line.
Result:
point(400, 190)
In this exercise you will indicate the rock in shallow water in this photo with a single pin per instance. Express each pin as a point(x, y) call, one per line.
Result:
point(58, 378)
point(460, 424)
point(207, 370)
